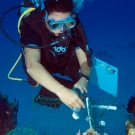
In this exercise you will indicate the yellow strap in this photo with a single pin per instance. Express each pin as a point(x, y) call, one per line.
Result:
point(11, 78)
point(17, 79)
point(24, 13)
point(19, 21)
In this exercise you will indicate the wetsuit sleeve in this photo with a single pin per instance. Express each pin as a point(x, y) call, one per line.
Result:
point(31, 37)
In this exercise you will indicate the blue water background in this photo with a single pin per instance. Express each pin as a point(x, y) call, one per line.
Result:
point(110, 30)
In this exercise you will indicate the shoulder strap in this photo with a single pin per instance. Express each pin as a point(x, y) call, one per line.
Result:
point(35, 21)
point(80, 39)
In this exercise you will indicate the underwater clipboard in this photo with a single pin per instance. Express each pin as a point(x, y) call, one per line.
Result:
point(104, 76)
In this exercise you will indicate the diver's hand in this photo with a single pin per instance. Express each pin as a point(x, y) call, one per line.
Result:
point(82, 85)
point(70, 98)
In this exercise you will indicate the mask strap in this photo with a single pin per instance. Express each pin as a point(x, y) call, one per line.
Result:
point(46, 16)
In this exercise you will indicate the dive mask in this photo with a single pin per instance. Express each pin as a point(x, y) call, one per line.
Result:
point(68, 22)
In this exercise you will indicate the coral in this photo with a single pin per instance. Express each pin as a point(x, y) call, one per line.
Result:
point(131, 105)
point(91, 131)
point(131, 131)
point(130, 124)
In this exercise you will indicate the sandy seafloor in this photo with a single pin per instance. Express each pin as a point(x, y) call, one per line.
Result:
point(112, 38)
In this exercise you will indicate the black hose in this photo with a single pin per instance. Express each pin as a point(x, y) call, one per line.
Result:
point(10, 38)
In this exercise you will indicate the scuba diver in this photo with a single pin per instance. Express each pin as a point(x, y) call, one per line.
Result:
point(56, 24)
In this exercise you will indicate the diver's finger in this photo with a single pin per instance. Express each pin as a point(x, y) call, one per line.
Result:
point(85, 90)
point(70, 106)
point(81, 103)
point(77, 89)
point(80, 88)
point(78, 104)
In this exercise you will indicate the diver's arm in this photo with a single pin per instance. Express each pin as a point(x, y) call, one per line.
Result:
point(37, 71)
point(43, 77)
point(82, 83)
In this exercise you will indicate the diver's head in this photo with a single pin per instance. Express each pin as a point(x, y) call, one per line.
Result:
point(63, 6)
point(59, 16)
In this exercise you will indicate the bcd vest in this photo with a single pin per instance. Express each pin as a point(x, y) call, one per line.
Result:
point(35, 21)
